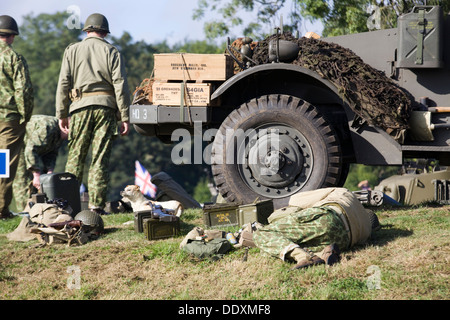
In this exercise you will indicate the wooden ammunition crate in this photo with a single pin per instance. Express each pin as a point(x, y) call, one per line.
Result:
point(190, 66)
point(171, 93)
point(155, 229)
point(220, 215)
point(258, 212)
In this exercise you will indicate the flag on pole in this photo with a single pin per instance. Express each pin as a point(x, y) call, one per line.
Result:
point(143, 179)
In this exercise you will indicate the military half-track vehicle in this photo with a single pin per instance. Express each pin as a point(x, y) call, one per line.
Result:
point(317, 134)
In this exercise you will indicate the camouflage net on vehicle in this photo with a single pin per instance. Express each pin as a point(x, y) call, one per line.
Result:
point(370, 93)
point(144, 93)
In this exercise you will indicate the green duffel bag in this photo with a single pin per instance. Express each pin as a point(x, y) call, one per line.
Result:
point(215, 248)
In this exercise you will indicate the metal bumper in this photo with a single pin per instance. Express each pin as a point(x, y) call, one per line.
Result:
point(158, 114)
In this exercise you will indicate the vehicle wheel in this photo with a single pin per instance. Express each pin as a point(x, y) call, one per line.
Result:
point(273, 147)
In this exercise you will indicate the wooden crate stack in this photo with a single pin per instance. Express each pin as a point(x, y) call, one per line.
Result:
point(186, 79)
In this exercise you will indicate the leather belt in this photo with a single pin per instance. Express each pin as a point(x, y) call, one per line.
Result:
point(97, 93)
point(76, 94)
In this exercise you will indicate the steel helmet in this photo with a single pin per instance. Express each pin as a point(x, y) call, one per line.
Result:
point(8, 25)
point(92, 220)
point(96, 22)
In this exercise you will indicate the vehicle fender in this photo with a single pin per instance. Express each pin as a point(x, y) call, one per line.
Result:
point(372, 146)
point(251, 72)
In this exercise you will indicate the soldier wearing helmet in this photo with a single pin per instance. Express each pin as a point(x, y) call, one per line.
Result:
point(92, 91)
point(16, 105)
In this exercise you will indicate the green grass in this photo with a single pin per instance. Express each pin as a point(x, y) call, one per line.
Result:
point(409, 257)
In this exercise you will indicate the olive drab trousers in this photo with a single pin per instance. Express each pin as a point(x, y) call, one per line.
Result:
point(23, 184)
point(311, 228)
point(94, 126)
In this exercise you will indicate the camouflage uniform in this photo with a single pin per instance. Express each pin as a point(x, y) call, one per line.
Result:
point(93, 88)
point(311, 228)
point(42, 142)
point(16, 107)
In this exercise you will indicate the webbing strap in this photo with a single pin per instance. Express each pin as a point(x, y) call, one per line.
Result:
point(420, 36)
point(183, 93)
point(182, 103)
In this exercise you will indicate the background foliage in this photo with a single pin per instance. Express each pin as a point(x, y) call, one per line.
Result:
point(45, 62)
point(258, 18)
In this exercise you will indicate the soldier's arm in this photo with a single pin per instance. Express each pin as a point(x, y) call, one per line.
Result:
point(63, 89)
point(49, 160)
point(37, 179)
point(120, 83)
point(31, 152)
point(23, 90)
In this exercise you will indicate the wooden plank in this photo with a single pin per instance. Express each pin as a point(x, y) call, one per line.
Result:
point(190, 66)
point(169, 94)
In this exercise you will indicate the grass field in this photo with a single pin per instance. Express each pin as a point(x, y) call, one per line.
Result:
point(408, 259)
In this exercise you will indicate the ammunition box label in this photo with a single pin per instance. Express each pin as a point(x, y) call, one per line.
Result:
point(188, 66)
point(223, 217)
point(170, 94)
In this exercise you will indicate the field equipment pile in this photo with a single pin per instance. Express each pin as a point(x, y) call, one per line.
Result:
point(371, 94)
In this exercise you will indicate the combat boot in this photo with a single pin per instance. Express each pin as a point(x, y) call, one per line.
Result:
point(331, 254)
point(6, 216)
point(315, 260)
point(305, 258)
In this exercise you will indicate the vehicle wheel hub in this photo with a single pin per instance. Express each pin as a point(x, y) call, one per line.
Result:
point(277, 161)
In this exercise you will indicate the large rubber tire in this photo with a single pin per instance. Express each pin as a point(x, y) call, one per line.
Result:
point(288, 147)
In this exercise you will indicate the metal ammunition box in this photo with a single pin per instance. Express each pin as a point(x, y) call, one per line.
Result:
point(258, 212)
point(220, 214)
point(139, 217)
point(155, 229)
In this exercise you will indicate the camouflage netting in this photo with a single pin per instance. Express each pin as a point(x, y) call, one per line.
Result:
point(371, 94)
point(144, 93)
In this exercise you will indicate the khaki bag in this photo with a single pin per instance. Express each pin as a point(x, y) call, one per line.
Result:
point(40, 215)
point(47, 213)
point(215, 248)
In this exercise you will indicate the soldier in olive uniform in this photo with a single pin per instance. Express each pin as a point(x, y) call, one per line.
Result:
point(93, 89)
point(16, 106)
point(43, 138)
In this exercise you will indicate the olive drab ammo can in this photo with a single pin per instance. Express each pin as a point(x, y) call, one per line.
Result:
point(220, 214)
point(258, 212)
point(155, 229)
point(139, 217)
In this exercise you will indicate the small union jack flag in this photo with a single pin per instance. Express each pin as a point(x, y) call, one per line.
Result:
point(143, 179)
